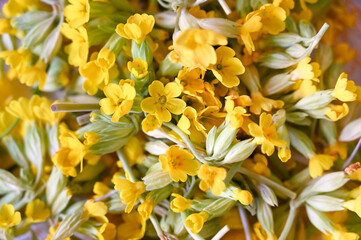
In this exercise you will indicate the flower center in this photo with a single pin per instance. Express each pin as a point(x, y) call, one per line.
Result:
point(219, 66)
point(162, 100)
point(183, 83)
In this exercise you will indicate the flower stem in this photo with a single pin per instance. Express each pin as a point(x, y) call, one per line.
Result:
point(353, 154)
point(267, 181)
point(74, 107)
point(245, 223)
point(105, 196)
point(232, 171)
point(220, 234)
point(289, 222)
point(13, 124)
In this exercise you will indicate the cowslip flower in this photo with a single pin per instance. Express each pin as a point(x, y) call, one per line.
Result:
point(196, 221)
point(132, 227)
point(320, 163)
point(78, 49)
point(306, 70)
point(243, 196)
point(266, 134)
point(190, 81)
point(137, 27)
point(259, 103)
point(138, 67)
point(119, 99)
point(146, 208)
point(179, 163)
point(227, 67)
point(257, 164)
point(354, 205)
point(96, 210)
point(179, 203)
point(162, 101)
point(195, 47)
point(36, 73)
point(36, 211)
point(336, 111)
point(272, 18)
point(212, 178)
point(251, 25)
point(130, 192)
point(150, 123)
point(77, 12)
point(107, 231)
point(287, 5)
point(235, 116)
point(23, 108)
point(345, 89)
point(8, 216)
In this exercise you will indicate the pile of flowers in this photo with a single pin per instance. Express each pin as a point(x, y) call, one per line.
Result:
point(178, 119)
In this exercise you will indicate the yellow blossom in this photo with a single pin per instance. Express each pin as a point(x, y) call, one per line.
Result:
point(77, 12)
point(251, 25)
point(90, 138)
point(16, 59)
point(162, 101)
point(354, 205)
point(36, 211)
point(266, 134)
point(130, 192)
point(96, 210)
point(78, 49)
point(179, 163)
point(305, 88)
point(243, 196)
point(212, 178)
point(272, 18)
point(137, 27)
point(336, 112)
point(190, 81)
point(43, 112)
point(196, 221)
point(258, 164)
point(227, 67)
point(305, 70)
point(342, 235)
point(134, 150)
point(100, 189)
point(118, 101)
point(5, 26)
point(132, 228)
point(107, 231)
point(150, 123)
point(23, 108)
point(284, 154)
point(260, 103)
point(8, 216)
point(179, 203)
point(138, 67)
point(146, 208)
point(287, 5)
point(52, 231)
point(319, 163)
point(343, 54)
point(30, 75)
point(194, 47)
point(345, 89)
point(337, 149)
point(235, 116)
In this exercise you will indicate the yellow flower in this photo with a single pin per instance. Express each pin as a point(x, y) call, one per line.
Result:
point(287, 5)
point(78, 50)
point(130, 192)
point(252, 24)
point(179, 203)
point(138, 67)
point(354, 205)
point(235, 116)
point(23, 108)
point(98, 71)
point(16, 59)
point(132, 228)
point(134, 150)
point(196, 221)
point(96, 210)
point(43, 112)
point(52, 231)
point(77, 12)
point(258, 164)
point(306, 70)
point(319, 163)
point(6, 119)
point(118, 101)
point(190, 81)
point(146, 208)
point(212, 178)
point(260, 103)
point(272, 18)
point(342, 235)
point(30, 75)
point(227, 67)
point(284, 154)
point(305, 89)
point(36, 211)
point(5, 26)
point(179, 163)
point(343, 54)
point(100, 189)
point(162, 101)
point(336, 112)
point(150, 123)
point(8, 216)
point(345, 89)
point(91, 138)
point(194, 47)
point(266, 134)
point(243, 196)
point(107, 231)
point(137, 27)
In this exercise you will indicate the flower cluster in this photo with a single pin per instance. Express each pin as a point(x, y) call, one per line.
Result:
point(179, 120)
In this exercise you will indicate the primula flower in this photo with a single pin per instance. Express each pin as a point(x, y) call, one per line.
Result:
point(345, 89)
point(8, 216)
point(77, 12)
point(336, 112)
point(137, 27)
point(179, 163)
point(30, 75)
point(146, 208)
point(272, 18)
point(179, 203)
point(343, 54)
point(212, 178)
point(119, 99)
point(100, 189)
point(306, 87)
point(130, 192)
point(258, 164)
point(287, 5)
point(195, 47)
point(78, 50)
point(96, 210)
point(36, 211)
point(284, 154)
point(260, 103)
point(243, 196)
point(251, 25)
point(23, 108)
point(266, 134)
point(162, 101)
point(319, 163)
point(107, 231)
point(132, 227)
point(227, 67)
point(138, 67)
point(150, 123)
point(306, 70)
point(190, 81)
point(235, 116)
point(196, 221)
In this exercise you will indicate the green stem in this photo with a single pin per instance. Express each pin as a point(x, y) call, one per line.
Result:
point(13, 124)
point(232, 171)
point(289, 222)
point(74, 107)
point(186, 141)
point(268, 182)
